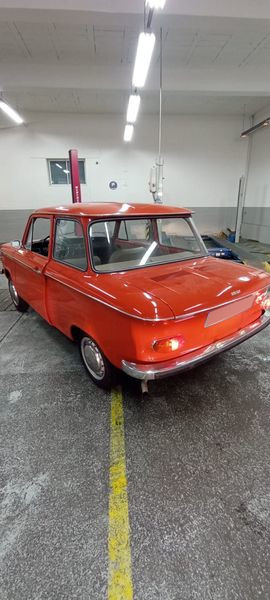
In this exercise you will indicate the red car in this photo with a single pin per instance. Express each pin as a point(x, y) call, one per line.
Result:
point(135, 286)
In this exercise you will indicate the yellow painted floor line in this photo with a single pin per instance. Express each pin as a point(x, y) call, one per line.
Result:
point(120, 571)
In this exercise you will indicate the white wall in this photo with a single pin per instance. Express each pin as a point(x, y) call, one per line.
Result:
point(256, 215)
point(204, 158)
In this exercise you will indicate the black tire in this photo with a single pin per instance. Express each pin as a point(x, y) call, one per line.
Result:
point(18, 302)
point(97, 365)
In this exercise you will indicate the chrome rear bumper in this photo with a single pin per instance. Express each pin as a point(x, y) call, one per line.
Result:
point(170, 367)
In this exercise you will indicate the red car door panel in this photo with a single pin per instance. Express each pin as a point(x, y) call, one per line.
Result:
point(32, 259)
point(31, 280)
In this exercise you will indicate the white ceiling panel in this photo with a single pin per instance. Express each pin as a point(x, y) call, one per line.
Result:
point(82, 61)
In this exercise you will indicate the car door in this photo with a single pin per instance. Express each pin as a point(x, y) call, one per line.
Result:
point(33, 257)
point(67, 273)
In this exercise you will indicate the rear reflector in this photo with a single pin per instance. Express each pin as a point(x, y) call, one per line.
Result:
point(229, 310)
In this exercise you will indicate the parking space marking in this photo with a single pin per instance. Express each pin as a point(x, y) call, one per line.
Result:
point(120, 585)
point(10, 328)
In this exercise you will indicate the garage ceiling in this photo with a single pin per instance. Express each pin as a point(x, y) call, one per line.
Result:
point(80, 59)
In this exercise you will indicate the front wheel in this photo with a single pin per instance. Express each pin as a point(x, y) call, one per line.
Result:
point(18, 302)
point(97, 365)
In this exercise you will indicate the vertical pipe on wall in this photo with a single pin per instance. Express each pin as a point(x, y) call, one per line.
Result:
point(160, 161)
point(246, 175)
point(242, 190)
point(239, 208)
point(160, 97)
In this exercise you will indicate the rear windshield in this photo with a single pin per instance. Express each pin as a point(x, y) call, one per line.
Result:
point(120, 245)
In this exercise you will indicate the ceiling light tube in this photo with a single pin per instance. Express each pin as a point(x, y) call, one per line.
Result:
point(133, 108)
point(128, 133)
point(11, 112)
point(158, 4)
point(146, 43)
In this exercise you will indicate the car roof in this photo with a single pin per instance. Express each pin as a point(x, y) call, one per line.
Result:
point(113, 209)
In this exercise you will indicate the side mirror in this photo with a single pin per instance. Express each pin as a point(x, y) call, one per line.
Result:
point(16, 244)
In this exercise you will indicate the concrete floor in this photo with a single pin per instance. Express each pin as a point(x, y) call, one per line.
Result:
point(252, 253)
point(198, 468)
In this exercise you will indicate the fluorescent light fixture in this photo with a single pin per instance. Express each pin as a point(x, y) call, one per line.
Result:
point(133, 108)
point(146, 43)
point(11, 112)
point(59, 166)
point(65, 170)
point(264, 123)
point(128, 133)
point(158, 4)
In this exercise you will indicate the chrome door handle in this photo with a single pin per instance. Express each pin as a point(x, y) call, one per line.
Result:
point(37, 270)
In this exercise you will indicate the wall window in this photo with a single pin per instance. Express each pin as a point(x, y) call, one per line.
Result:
point(69, 245)
point(59, 171)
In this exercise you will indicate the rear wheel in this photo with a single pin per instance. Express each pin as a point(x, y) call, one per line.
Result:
point(97, 365)
point(18, 302)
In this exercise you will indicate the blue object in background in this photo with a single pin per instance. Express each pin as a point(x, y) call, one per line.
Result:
point(216, 249)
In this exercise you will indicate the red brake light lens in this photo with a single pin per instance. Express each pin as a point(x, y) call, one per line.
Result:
point(169, 344)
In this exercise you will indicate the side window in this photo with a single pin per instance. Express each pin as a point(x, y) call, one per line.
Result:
point(69, 243)
point(38, 237)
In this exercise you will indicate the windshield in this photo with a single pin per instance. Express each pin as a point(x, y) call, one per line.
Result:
point(125, 244)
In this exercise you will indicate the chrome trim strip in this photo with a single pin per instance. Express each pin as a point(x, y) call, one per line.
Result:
point(106, 303)
point(21, 263)
point(165, 369)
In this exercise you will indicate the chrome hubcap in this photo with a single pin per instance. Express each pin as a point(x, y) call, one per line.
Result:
point(13, 293)
point(92, 358)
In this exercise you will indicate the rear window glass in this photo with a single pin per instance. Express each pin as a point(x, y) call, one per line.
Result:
point(125, 244)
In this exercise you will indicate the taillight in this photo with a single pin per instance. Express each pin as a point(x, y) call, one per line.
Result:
point(169, 344)
point(263, 299)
